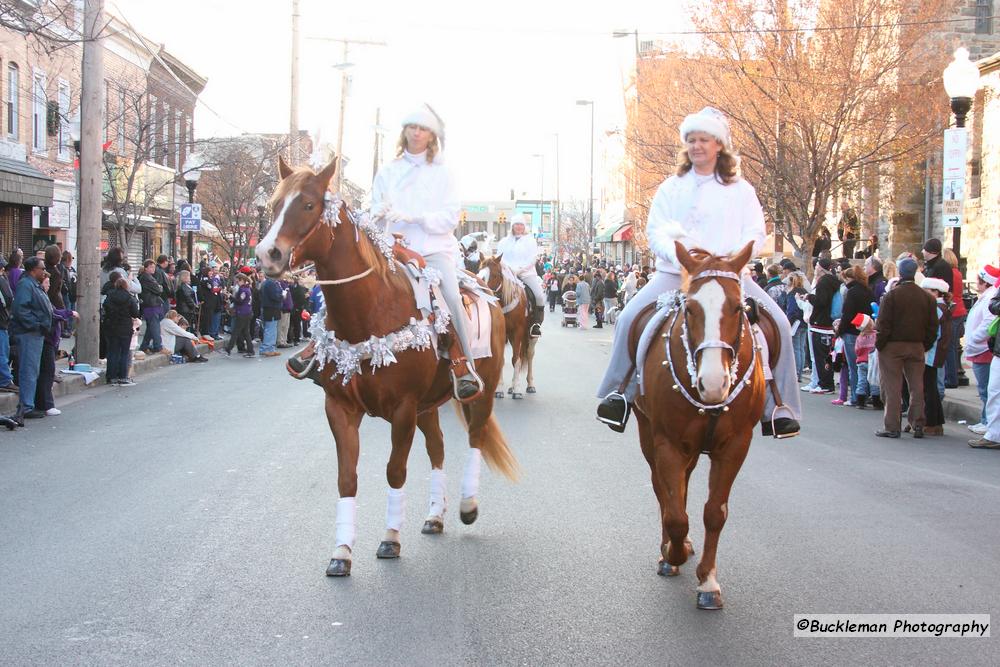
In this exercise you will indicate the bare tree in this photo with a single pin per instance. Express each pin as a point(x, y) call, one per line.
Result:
point(231, 191)
point(574, 229)
point(135, 181)
point(824, 98)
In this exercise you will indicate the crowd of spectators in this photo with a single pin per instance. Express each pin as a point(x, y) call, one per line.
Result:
point(163, 307)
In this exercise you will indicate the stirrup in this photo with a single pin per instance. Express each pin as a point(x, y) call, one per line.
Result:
point(773, 432)
point(475, 376)
point(615, 422)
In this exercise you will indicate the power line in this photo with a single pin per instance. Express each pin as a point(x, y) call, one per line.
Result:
point(863, 26)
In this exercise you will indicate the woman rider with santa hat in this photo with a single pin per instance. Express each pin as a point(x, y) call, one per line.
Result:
point(415, 196)
point(704, 205)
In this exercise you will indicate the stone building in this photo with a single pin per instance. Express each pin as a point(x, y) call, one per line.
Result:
point(981, 233)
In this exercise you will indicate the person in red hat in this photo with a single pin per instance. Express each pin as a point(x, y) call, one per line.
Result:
point(977, 338)
point(867, 358)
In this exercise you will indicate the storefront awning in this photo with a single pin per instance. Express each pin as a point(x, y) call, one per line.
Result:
point(605, 237)
point(20, 183)
point(623, 234)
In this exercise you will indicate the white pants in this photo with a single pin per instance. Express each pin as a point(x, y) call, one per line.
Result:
point(531, 280)
point(445, 264)
point(993, 402)
point(660, 282)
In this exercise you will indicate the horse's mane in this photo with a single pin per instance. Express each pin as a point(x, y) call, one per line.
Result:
point(508, 288)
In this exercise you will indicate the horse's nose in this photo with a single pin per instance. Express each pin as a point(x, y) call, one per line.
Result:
point(274, 254)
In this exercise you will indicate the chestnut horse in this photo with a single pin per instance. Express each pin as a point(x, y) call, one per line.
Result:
point(703, 391)
point(366, 298)
point(514, 301)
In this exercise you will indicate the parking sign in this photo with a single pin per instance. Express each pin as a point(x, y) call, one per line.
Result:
point(190, 217)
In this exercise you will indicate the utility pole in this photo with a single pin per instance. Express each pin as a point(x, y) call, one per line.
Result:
point(91, 154)
point(558, 212)
point(293, 121)
point(343, 67)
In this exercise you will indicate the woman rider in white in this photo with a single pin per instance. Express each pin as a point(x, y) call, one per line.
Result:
point(415, 195)
point(519, 251)
point(705, 205)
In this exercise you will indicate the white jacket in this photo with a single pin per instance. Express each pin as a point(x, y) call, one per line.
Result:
point(518, 252)
point(703, 213)
point(169, 331)
point(977, 324)
point(424, 194)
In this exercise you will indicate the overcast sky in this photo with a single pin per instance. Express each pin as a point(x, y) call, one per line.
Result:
point(504, 76)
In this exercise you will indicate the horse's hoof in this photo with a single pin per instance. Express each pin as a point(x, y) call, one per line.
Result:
point(517, 396)
point(338, 568)
point(499, 394)
point(510, 390)
point(432, 527)
point(530, 389)
point(387, 550)
point(469, 518)
point(665, 569)
point(710, 600)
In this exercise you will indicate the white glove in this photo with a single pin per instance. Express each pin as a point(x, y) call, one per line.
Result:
point(393, 217)
point(379, 210)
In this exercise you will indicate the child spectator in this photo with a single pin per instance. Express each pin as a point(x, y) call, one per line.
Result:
point(864, 349)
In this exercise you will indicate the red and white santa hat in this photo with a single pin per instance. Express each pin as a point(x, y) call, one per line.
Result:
point(861, 321)
point(989, 275)
point(935, 284)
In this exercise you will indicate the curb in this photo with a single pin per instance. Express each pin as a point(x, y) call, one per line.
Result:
point(74, 384)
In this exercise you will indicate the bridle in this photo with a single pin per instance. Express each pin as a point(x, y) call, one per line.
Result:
point(329, 218)
point(691, 357)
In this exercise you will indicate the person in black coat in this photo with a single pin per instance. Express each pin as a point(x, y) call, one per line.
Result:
point(151, 298)
point(120, 308)
point(857, 301)
point(300, 299)
point(821, 323)
point(935, 266)
point(187, 301)
point(823, 243)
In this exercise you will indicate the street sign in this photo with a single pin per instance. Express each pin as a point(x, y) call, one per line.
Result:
point(190, 217)
point(951, 212)
point(956, 144)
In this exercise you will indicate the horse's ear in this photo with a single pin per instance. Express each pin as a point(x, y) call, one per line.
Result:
point(328, 172)
point(689, 263)
point(740, 260)
point(283, 169)
point(497, 258)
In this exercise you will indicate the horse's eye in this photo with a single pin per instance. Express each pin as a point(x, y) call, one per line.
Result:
point(309, 206)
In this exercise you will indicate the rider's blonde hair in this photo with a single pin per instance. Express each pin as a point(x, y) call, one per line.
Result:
point(432, 146)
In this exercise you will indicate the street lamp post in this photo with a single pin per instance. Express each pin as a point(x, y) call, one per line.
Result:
point(541, 194)
point(961, 81)
point(590, 201)
point(260, 201)
point(192, 173)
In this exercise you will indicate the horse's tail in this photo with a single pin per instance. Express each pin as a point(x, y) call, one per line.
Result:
point(491, 443)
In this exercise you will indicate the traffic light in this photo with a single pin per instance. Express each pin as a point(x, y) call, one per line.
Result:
point(502, 218)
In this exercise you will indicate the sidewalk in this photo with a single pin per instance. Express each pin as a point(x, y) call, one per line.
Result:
point(963, 403)
point(73, 384)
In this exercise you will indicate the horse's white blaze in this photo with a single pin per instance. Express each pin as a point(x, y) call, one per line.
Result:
point(712, 373)
point(272, 234)
point(710, 585)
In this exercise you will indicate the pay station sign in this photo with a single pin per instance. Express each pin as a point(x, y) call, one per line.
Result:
point(190, 217)
point(956, 143)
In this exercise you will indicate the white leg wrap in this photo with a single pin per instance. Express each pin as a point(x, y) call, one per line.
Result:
point(345, 522)
point(470, 480)
point(395, 509)
point(439, 493)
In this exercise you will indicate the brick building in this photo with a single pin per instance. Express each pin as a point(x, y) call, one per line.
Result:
point(145, 87)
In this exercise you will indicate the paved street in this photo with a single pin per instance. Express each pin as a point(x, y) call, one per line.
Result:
point(190, 519)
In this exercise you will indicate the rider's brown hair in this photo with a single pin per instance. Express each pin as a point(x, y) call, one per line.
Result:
point(726, 166)
point(432, 146)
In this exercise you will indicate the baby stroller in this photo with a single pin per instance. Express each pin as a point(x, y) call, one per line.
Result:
point(569, 309)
